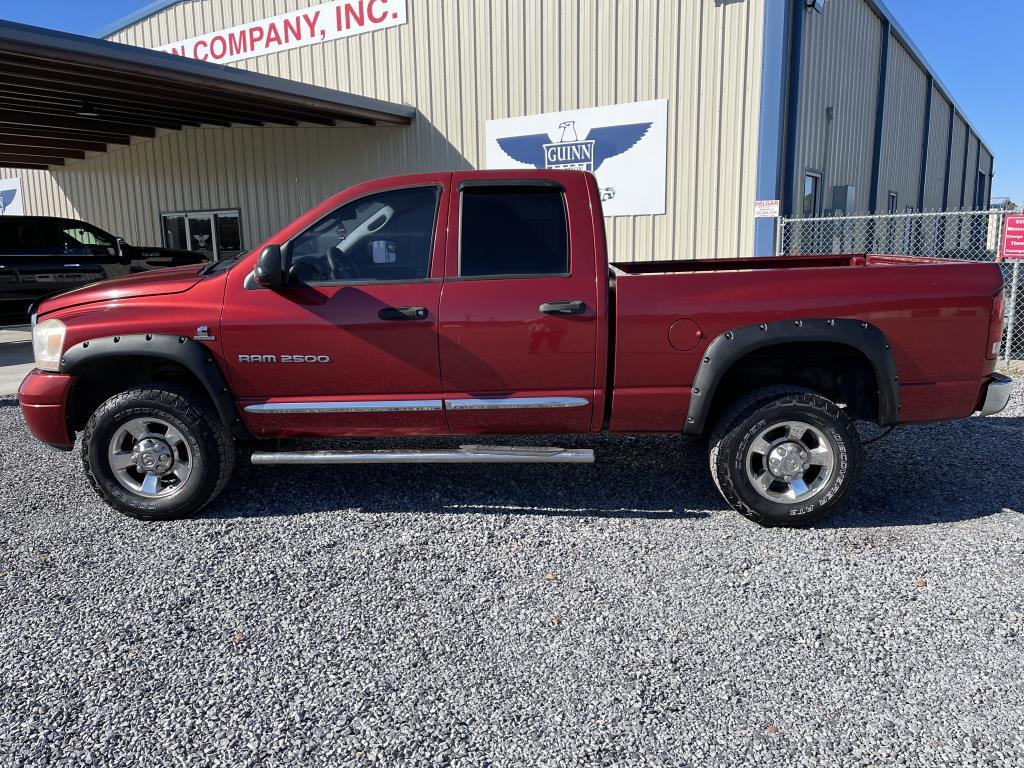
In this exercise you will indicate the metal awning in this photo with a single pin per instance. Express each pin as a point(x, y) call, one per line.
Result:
point(63, 96)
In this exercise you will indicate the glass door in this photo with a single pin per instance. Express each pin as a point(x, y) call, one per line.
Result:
point(216, 233)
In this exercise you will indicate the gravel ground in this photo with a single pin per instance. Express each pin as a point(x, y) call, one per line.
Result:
point(520, 616)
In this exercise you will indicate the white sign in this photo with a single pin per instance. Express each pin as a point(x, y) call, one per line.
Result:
point(623, 145)
point(12, 202)
point(316, 24)
point(766, 209)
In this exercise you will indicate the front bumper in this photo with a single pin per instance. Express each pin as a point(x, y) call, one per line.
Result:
point(996, 394)
point(44, 398)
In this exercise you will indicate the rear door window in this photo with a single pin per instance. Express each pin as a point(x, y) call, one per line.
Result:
point(37, 236)
point(510, 231)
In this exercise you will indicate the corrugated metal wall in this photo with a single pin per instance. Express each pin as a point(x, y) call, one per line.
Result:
point(938, 146)
point(903, 130)
point(956, 163)
point(460, 62)
point(971, 172)
point(840, 68)
point(842, 48)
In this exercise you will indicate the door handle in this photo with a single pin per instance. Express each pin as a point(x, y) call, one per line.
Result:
point(402, 313)
point(576, 307)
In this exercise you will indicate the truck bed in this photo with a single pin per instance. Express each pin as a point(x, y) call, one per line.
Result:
point(691, 266)
point(934, 313)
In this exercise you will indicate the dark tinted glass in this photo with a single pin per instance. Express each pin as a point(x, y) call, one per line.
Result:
point(174, 232)
point(810, 195)
point(515, 231)
point(229, 238)
point(31, 236)
point(8, 235)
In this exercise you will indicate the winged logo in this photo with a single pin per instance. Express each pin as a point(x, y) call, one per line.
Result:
point(6, 199)
point(586, 154)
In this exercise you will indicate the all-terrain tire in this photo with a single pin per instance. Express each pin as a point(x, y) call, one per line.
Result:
point(753, 414)
point(205, 440)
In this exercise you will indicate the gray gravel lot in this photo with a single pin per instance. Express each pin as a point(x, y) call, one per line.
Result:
point(520, 616)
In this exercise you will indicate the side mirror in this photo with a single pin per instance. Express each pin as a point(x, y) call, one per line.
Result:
point(269, 270)
point(124, 255)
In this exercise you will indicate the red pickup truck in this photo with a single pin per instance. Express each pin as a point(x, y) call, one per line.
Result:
point(483, 303)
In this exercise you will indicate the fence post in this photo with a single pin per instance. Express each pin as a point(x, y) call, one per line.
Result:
point(778, 235)
point(1013, 313)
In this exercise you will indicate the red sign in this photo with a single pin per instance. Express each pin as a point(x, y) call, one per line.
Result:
point(1013, 238)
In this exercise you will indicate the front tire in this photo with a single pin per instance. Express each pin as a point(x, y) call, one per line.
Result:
point(157, 452)
point(784, 456)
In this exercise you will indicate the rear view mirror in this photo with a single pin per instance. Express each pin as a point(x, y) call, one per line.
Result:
point(269, 270)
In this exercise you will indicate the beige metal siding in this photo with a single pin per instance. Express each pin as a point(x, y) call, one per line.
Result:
point(902, 130)
point(460, 62)
point(938, 147)
point(842, 49)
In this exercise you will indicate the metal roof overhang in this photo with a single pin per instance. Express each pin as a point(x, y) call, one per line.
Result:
point(63, 96)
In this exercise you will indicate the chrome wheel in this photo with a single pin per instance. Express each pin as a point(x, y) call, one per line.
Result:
point(150, 457)
point(789, 461)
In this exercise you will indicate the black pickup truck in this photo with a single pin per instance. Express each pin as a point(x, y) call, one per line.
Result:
point(41, 256)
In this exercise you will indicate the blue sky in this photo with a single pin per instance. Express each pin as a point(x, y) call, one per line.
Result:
point(974, 48)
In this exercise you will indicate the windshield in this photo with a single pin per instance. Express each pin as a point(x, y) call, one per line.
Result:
point(78, 233)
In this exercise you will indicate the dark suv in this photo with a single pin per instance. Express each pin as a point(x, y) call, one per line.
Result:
point(41, 256)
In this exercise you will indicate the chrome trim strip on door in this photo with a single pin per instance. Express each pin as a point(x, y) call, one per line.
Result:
point(465, 455)
point(502, 403)
point(348, 406)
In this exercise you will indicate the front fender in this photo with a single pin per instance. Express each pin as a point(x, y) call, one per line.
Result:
point(182, 350)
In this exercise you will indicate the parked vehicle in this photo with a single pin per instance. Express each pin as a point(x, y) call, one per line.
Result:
point(41, 256)
point(482, 303)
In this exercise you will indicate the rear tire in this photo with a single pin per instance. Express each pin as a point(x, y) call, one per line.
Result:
point(785, 456)
point(157, 452)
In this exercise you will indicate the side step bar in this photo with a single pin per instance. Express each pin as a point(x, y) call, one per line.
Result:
point(466, 454)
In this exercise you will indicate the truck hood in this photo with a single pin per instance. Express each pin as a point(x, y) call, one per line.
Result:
point(158, 282)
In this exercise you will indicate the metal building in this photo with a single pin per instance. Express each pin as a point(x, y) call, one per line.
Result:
point(264, 108)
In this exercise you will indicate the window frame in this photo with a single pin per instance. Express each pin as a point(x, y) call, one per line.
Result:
point(206, 212)
point(810, 173)
point(521, 183)
point(286, 247)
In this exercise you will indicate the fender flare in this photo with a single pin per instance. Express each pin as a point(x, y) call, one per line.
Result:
point(731, 346)
point(182, 350)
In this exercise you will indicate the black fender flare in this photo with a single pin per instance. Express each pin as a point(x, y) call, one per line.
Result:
point(182, 350)
point(729, 347)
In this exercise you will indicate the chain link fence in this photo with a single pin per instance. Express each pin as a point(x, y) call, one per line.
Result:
point(961, 235)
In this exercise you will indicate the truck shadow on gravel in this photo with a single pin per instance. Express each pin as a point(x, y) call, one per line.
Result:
point(945, 473)
point(634, 477)
point(916, 476)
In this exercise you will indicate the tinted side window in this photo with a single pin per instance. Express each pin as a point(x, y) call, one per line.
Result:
point(33, 237)
point(514, 231)
point(383, 236)
point(8, 235)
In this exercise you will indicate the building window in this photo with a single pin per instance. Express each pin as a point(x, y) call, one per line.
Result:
point(812, 191)
point(513, 232)
point(216, 233)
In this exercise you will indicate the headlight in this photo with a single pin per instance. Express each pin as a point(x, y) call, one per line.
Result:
point(48, 344)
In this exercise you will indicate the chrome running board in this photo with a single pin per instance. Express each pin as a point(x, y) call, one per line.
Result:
point(466, 454)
